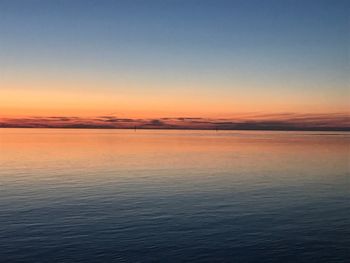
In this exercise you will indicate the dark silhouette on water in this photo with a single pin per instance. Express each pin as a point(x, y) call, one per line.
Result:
point(283, 122)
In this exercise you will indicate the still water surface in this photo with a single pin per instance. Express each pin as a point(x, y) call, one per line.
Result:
point(174, 196)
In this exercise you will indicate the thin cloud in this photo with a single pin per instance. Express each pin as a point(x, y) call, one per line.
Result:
point(283, 121)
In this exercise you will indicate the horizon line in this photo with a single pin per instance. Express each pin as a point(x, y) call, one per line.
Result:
point(280, 122)
point(345, 129)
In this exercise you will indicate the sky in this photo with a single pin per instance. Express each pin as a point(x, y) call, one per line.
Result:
point(152, 59)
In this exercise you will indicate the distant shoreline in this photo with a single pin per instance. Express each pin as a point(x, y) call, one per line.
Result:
point(279, 122)
point(345, 129)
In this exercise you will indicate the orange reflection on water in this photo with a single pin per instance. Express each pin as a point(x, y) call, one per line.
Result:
point(91, 151)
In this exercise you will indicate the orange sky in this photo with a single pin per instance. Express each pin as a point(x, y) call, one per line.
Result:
point(226, 61)
point(17, 102)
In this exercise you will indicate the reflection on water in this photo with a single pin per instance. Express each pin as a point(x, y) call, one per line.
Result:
point(170, 196)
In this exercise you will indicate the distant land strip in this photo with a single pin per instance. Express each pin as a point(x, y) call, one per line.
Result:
point(285, 122)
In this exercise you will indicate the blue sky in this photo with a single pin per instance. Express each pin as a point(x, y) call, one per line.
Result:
point(273, 50)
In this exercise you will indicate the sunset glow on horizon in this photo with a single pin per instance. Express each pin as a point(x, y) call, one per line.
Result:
point(231, 60)
point(175, 131)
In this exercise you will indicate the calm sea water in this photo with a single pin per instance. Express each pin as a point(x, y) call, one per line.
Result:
point(174, 196)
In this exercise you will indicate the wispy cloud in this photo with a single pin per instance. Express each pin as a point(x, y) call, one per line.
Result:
point(283, 121)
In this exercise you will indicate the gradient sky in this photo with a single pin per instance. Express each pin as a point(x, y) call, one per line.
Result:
point(151, 59)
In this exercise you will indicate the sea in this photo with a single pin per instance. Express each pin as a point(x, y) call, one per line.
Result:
point(99, 195)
